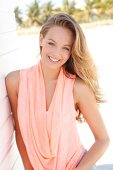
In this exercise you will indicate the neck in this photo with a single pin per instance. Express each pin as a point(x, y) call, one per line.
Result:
point(49, 73)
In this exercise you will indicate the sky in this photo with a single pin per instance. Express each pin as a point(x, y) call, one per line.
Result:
point(23, 3)
point(57, 3)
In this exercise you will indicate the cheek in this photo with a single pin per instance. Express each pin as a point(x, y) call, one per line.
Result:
point(67, 56)
point(45, 49)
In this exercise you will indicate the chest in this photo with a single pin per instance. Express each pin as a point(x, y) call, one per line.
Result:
point(49, 93)
point(50, 89)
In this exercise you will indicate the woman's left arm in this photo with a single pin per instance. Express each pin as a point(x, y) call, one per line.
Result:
point(86, 102)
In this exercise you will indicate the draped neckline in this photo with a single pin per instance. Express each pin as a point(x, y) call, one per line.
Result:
point(47, 110)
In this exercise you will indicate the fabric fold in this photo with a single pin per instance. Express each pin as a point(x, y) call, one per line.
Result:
point(42, 130)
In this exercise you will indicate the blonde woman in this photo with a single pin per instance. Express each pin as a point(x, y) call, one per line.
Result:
point(46, 98)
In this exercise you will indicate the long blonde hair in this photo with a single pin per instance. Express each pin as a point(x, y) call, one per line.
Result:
point(80, 62)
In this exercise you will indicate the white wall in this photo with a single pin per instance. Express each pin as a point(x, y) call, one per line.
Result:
point(9, 155)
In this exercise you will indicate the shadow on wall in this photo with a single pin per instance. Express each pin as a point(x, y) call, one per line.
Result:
point(9, 156)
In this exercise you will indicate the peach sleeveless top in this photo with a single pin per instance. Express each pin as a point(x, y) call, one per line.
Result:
point(50, 137)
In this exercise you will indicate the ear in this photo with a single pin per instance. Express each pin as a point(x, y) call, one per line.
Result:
point(40, 39)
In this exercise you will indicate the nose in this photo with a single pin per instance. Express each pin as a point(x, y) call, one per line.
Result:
point(57, 53)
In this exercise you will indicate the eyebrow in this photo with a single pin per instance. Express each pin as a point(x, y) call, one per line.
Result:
point(55, 42)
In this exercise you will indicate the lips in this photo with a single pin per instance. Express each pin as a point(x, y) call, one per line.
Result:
point(53, 59)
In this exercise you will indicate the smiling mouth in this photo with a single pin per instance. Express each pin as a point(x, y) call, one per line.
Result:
point(53, 60)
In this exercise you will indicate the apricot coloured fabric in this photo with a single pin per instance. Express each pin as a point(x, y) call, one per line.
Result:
point(50, 137)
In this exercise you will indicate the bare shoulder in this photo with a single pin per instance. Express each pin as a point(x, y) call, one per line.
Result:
point(86, 103)
point(13, 76)
point(12, 81)
point(82, 91)
point(12, 86)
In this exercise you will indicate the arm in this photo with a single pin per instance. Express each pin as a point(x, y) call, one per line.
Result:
point(12, 80)
point(86, 103)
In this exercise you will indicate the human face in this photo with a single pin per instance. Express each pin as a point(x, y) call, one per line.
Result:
point(56, 46)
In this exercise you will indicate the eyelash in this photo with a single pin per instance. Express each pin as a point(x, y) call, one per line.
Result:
point(66, 48)
point(52, 44)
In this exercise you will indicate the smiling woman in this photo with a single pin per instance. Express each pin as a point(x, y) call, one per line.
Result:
point(56, 48)
point(47, 97)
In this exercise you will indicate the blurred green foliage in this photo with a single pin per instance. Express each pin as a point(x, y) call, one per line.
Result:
point(37, 14)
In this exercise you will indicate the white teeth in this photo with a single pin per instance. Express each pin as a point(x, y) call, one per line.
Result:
point(53, 59)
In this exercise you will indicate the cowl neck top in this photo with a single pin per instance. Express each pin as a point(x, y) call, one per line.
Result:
point(50, 137)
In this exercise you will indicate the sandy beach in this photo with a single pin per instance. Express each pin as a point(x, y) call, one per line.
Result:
point(100, 43)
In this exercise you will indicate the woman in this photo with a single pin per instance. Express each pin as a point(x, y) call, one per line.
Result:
point(46, 98)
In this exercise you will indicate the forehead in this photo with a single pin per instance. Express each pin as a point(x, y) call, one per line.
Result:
point(60, 33)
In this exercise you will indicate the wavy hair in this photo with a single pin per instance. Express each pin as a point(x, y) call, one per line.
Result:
point(80, 62)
